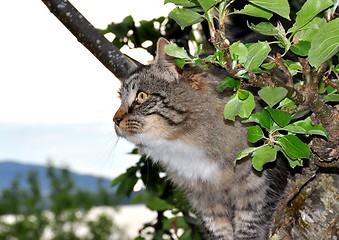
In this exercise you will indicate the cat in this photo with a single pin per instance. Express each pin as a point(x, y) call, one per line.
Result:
point(175, 117)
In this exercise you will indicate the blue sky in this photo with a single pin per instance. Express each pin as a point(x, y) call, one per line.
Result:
point(56, 99)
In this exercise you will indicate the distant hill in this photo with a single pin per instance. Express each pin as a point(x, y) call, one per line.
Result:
point(9, 170)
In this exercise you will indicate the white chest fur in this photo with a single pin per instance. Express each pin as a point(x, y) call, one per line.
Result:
point(180, 158)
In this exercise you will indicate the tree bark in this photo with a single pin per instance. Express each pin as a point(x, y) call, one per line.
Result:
point(109, 55)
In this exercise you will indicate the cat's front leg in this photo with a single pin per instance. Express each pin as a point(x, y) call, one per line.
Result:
point(218, 227)
point(216, 217)
point(251, 219)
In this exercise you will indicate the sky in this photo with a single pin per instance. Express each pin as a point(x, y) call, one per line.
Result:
point(56, 99)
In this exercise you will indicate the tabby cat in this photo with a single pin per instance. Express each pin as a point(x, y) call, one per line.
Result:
point(176, 118)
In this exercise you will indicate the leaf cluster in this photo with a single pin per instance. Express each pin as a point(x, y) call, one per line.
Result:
point(175, 219)
point(284, 124)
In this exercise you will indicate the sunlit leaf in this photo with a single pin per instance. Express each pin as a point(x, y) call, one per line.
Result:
point(308, 32)
point(174, 51)
point(280, 117)
point(254, 11)
point(308, 11)
point(264, 155)
point(232, 107)
point(228, 82)
point(264, 28)
point(325, 44)
point(263, 118)
point(247, 106)
point(206, 4)
point(245, 153)
point(280, 7)
point(306, 127)
point(332, 98)
point(257, 53)
point(301, 48)
point(185, 17)
point(237, 107)
point(238, 52)
point(272, 95)
point(294, 147)
point(254, 134)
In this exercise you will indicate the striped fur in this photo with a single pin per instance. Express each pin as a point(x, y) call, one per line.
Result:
point(181, 126)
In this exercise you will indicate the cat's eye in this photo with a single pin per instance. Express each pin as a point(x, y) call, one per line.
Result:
point(141, 97)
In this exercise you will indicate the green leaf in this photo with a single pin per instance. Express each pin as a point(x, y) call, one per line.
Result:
point(293, 162)
point(264, 155)
point(301, 48)
point(180, 62)
point(237, 107)
point(254, 11)
point(247, 106)
point(308, 11)
point(280, 117)
point(306, 127)
point(293, 67)
point(228, 82)
point(217, 57)
point(287, 104)
point(325, 43)
point(118, 179)
point(300, 114)
point(231, 108)
point(185, 17)
point(332, 98)
point(254, 134)
point(243, 94)
point(293, 147)
point(280, 7)
point(272, 95)
point(174, 51)
point(257, 53)
point(206, 4)
point(295, 129)
point(238, 52)
point(245, 153)
point(264, 28)
point(263, 118)
point(152, 201)
point(308, 32)
point(278, 32)
point(157, 204)
point(269, 65)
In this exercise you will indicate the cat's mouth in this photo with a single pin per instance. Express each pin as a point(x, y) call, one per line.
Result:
point(119, 131)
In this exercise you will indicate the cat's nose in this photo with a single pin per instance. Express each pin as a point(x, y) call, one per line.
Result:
point(117, 120)
point(119, 116)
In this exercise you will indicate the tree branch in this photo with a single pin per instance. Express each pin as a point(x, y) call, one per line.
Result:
point(109, 55)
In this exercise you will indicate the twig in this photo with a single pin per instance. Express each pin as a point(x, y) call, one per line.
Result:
point(282, 67)
point(329, 82)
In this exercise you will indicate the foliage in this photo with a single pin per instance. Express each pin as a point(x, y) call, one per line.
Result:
point(278, 126)
point(174, 217)
point(27, 214)
point(294, 71)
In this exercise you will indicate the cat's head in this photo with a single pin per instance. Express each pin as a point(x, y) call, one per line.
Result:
point(157, 101)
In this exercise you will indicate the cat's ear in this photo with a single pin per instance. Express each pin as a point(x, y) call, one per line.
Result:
point(165, 61)
point(134, 64)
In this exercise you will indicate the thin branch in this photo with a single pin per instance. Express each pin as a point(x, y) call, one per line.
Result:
point(312, 99)
point(109, 55)
point(280, 63)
